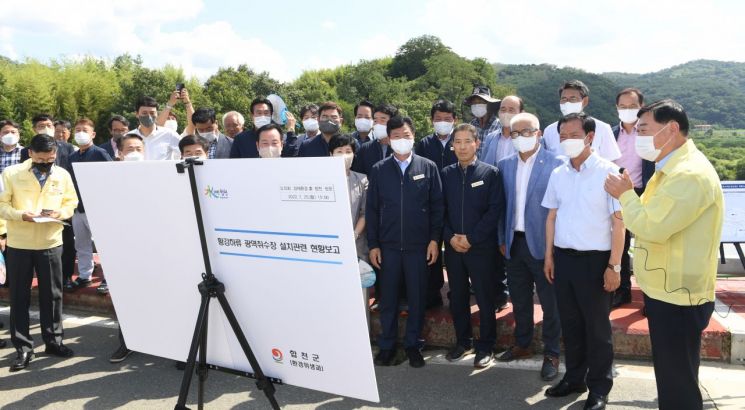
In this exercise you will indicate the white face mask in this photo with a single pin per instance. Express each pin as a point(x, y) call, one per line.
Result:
point(270, 152)
point(261, 121)
point(628, 115)
point(443, 127)
point(48, 130)
point(644, 146)
point(209, 136)
point(478, 110)
point(573, 147)
point(524, 144)
point(380, 131)
point(570, 108)
point(402, 146)
point(505, 118)
point(11, 139)
point(363, 124)
point(134, 156)
point(310, 125)
point(348, 158)
point(171, 124)
point(82, 138)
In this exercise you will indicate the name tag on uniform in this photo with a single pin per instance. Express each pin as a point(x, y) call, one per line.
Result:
point(477, 183)
point(417, 177)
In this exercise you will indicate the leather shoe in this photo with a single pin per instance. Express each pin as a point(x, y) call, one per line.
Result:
point(514, 353)
point(3, 344)
point(457, 353)
point(550, 368)
point(385, 357)
point(58, 350)
point(77, 284)
point(595, 402)
point(483, 359)
point(21, 361)
point(620, 298)
point(416, 360)
point(564, 388)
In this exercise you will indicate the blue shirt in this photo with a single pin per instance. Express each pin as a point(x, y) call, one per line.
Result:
point(659, 165)
point(42, 178)
point(403, 164)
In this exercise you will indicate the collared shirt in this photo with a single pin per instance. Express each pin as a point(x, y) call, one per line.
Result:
point(10, 158)
point(524, 169)
point(41, 176)
point(604, 143)
point(496, 147)
point(629, 158)
point(492, 124)
point(584, 209)
point(403, 164)
point(445, 141)
point(161, 144)
point(678, 225)
point(661, 163)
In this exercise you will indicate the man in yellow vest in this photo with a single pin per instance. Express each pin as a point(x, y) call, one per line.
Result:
point(677, 223)
point(37, 195)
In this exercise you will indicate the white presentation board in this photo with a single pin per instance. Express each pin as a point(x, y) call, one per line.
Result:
point(733, 229)
point(280, 238)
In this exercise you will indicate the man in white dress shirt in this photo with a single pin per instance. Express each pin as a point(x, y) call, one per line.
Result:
point(584, 242)
point(574, 96)
point(160, 142)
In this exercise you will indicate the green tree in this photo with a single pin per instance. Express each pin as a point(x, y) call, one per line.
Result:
point(409, 59)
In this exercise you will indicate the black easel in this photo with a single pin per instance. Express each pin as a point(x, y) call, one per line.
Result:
point(210, 288)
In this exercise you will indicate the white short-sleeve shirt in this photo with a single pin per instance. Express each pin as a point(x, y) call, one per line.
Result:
point(584, 209)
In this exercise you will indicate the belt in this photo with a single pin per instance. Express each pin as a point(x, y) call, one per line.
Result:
point(575, 252)
point(519, 234)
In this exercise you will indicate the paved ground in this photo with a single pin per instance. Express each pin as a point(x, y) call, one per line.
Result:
point(89, 381)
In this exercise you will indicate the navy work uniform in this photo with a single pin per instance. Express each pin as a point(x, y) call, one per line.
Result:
point(474, 200)
point(441, 153)
point(368, 155)
point(404, 214)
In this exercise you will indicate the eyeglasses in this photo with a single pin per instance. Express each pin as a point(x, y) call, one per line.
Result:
point(527, 132)
point(330, 117)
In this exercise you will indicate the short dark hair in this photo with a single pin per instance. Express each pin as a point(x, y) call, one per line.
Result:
point(398, 122)
point(330, 105)
point(631, 90)
point(120, 141)
point(575, 85)
point(41, 117)
point(588, 123)
point(442, 106)
point(364, 103)
point(118, 118)
point(145, 101)
point(468, 128)
point(12, 123)
point(386, 109)
point(193, 140)
point(268, 127)
point(309, 107)
point(43, 143)
point(204, 114)
point(261, 100)
point(63, 123)
point(342, 140)
point(664, 111)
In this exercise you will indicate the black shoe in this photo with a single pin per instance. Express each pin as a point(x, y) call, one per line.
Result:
point(77, 284)
point(385, 357)
point(483, 359)
point(501, 305)
point(58, 350)
point(620, 298)
point(550, 368)
point(564, 389)
point(515, 353)
point(3, 344)
point(415, 357)
point(66, 283)
point(21, 361)
point(595, 402)
point(103, 288)
point(457, 353)
point(121, 353)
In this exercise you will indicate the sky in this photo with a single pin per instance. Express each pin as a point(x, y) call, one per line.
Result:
point(287, 37)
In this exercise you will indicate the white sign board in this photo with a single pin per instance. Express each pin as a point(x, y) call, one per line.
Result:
point(280, 238)
point(733, 229)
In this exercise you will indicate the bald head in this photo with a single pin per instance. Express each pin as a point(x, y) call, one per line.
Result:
point(508, 108)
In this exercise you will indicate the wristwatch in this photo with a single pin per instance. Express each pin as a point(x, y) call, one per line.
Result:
point(616, 268)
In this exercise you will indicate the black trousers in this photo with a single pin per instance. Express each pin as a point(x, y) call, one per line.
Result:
point(409, 267)
point(626, 259)
point(675, 332)
point(21, 264)
point(478, 265)
point(68, 251)
point(435, 281)
point(500, 283)
point(584, 307)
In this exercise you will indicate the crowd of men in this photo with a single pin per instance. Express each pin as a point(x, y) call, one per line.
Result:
point(517, 209)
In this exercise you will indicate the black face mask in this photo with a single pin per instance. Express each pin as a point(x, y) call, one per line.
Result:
point(43, 167)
